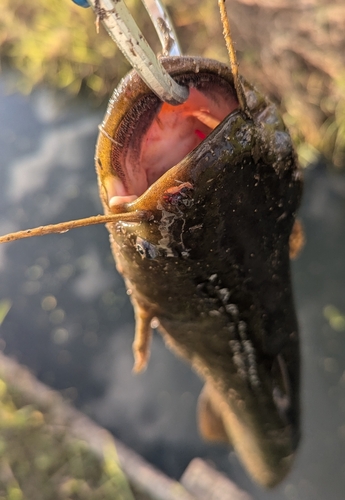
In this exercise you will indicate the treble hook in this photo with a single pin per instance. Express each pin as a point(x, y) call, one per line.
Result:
point(122, 28)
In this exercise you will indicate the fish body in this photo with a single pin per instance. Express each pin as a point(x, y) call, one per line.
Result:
point(206, 252)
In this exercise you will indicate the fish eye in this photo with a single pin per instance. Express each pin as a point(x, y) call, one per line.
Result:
point(145, 249)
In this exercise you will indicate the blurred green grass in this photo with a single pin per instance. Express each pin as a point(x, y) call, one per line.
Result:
point(56, 42)
point(40, 460)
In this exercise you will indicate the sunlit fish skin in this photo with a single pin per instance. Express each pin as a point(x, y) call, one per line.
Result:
point(216, 193)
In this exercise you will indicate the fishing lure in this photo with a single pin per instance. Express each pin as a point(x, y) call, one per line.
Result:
point(200, 200)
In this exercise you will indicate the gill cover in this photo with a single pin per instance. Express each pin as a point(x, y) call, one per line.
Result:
point(210, 259)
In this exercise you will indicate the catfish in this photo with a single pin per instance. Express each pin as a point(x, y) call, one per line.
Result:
point(200, 201)
point(204, 196)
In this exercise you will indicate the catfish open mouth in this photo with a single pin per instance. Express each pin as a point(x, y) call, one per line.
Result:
point(152, 136)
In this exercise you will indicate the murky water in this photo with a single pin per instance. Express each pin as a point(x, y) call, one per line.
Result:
point(71, 321)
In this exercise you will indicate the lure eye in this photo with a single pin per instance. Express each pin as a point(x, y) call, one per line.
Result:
point(145, 249)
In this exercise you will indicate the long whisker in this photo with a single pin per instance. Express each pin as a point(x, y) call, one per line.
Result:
point(63, 227)
point(232, 56)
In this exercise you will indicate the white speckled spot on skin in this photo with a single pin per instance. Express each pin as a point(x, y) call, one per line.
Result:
point(166, 221)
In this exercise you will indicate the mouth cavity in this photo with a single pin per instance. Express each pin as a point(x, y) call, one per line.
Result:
point(154, 137)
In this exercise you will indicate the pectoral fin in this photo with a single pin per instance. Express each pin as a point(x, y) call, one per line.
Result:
point(210, 422)
point(142, 338)
point(297, 239)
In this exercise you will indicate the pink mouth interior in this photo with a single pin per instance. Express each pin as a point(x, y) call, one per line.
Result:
point(174, 132)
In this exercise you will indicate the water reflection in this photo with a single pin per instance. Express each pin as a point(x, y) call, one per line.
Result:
point(71, 321)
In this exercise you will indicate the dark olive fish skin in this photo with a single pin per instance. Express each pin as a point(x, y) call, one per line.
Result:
point(210, 260)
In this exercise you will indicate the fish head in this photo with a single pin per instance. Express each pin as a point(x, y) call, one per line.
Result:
point(174, 162)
